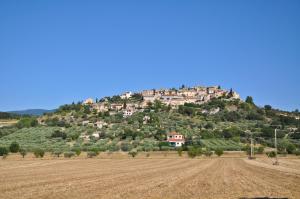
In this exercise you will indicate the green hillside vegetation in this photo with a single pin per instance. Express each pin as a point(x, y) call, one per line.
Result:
point(218, 124)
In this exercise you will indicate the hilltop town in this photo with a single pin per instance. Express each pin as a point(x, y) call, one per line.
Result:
point(130, 102)
point(157, 120)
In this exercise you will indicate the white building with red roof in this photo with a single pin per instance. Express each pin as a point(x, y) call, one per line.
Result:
point(175, 139)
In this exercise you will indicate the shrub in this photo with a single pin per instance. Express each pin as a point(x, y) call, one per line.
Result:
point(59, 134)
point(219, 152)
point(77, 151)
point(231, 116)
point(124, 146)
point(208, 153)
point(148, 155)
point(14, 147)
point(163, 144)
point(254, 116)
point(283, 153)
point(23, 152)
point(91, 154)
point(179, 151)
point(290, 148)
point(69, 154)
point(96, 150)
point(165, 148)
point(27, 122)
point(247, 149)
point(194, 151)
point(133, 153)
point(74, 135)
point(260, 150)
point(297, 152)
point(113, 147)
point(156, 148)
point(57, 153)
point(271, 154)
point(38, 153)
point(3, 151)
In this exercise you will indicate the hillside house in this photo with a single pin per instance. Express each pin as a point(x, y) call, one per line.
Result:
point(88, 101)
point(175, 139)
point(150, 98)
point(148, 92)
point(126, 95)
point(128, 112)
point(212, 89)
point(101, 107)
point(116, 107)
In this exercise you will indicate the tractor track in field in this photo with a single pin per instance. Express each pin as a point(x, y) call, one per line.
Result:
point(149, 178)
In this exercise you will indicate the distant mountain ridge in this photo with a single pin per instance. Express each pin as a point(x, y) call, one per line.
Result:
point(34, 112)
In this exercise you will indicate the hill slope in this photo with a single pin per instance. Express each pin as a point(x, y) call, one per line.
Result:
point(116, 123)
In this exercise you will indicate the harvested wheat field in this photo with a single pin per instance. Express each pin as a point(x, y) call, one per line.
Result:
point(149, 178)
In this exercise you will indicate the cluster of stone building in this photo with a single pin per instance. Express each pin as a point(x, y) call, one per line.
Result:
point(172, 97)
point(197, 95)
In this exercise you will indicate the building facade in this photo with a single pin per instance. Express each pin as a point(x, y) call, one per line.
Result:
point(175, 139)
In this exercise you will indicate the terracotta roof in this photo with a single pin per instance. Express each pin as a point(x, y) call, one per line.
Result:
point(175, 140)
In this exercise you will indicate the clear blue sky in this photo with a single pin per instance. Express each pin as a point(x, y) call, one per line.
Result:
point(55, 52)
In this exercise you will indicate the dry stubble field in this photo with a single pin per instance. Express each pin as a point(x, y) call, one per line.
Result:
point(149, 178)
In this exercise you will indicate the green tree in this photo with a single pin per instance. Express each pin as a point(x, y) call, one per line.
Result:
point(14, 147)
point(290, 148)
point(125, 146)
point(133, 153)
point(77, 151)
point(59, 134)
point(232, 116)
point(57, 153)
point(27, 122)
point(38, 153)
point(179, 151)
point(3, 151)
point(268, 107)
point(297, 152)
point(194, 151)
point(69, 154)
point(23, 152)
point(249, 100)
point(271, 154)
point(219, 152)
point(260, 150)
point(286, 146)
point(208, 153)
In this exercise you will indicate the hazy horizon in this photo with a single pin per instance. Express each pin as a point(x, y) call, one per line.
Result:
point(57, 52)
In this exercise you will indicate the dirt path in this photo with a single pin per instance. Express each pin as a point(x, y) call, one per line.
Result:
point(149, 178)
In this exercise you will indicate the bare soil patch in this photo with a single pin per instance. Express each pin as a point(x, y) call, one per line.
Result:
point(149, 178)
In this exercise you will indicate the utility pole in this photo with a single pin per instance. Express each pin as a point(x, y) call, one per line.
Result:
point(251, 145)
point(251, 153)
point(276, 159)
